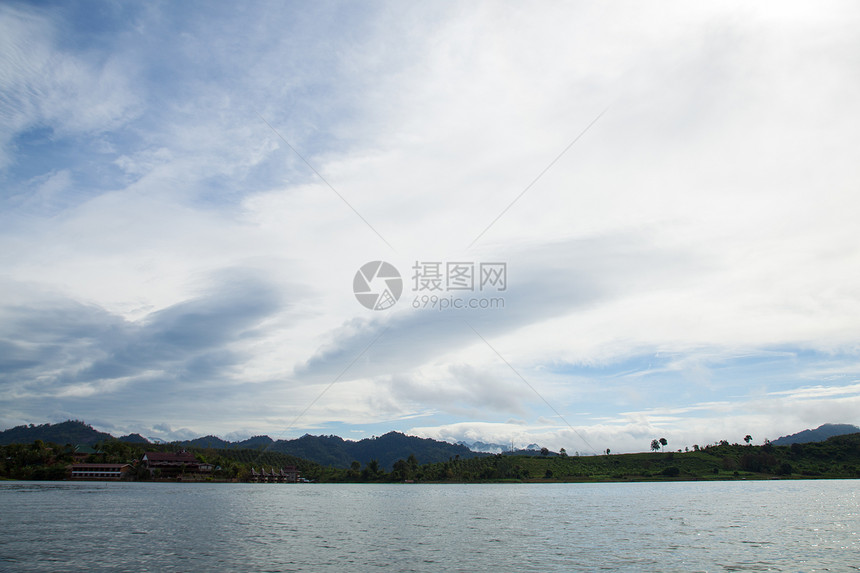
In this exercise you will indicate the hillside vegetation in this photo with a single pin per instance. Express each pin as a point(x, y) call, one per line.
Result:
point(818, 434)
point(68, 432)
point(837, 457)
point(324, 450)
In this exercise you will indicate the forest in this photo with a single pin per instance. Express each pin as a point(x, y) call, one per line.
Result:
point(835, 458)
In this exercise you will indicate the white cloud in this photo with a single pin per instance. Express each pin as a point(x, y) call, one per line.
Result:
point(44, 86)
point(706, 220)
point(700, 424)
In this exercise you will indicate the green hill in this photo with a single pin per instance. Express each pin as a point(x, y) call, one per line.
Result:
point(332, 451)
point(40, 450)
point(819, 434)
point(134, 438)
point(837, 457)
point(206, 442)
point(69, 432)
point(336, 452)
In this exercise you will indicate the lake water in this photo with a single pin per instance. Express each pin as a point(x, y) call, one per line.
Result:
point(677, 526)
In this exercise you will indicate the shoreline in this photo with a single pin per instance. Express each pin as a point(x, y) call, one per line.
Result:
point(475, 482)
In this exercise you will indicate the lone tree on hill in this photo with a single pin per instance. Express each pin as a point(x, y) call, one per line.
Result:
point(655, 445)
point(663, 442)
point(748, 439)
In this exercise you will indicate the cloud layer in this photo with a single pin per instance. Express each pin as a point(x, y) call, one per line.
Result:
point(187, 192)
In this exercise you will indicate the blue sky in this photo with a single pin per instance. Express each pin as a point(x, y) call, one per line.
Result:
point(187, 191)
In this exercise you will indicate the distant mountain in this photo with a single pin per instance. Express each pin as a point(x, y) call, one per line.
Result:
point(386, 449)
point(324, 450)
point(254, 443)
point(217, 443)
point(134, 439)
point(819, 434)
point(207, 442)
point(528, 452)
point(485, 447)
point(69, 432)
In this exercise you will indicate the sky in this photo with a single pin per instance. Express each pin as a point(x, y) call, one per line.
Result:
point(652, 207)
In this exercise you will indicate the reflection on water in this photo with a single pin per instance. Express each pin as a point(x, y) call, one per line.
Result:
point(692, 526)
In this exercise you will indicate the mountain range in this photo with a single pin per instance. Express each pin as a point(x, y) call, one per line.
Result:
point(333, 450)
point(819, 434)
point(325, 450)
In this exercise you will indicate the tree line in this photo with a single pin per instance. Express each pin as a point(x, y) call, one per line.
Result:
point(837, 457)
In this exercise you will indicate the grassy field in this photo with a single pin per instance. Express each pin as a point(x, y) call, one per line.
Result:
point(838, 457)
